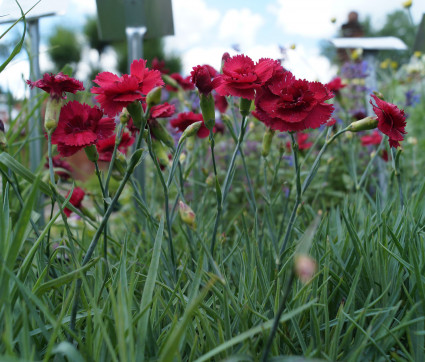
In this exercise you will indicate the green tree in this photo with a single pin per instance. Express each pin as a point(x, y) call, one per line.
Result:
point(64, 47)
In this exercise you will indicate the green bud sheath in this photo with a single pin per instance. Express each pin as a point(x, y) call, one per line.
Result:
point(208, 110)
point(136, 112)
point(161, 133)
point(190, 131)
point(267, 142)
point(364, 124)
point(91, 153)
point(245, 106)
point(154, 96)
point(51, 117)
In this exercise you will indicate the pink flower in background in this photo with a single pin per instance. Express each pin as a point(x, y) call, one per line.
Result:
point(105, 147)
point(201, 77)
point(374, 138)
point(185, 119)
point(75, 200)
point(57, 85)
point(185, 83)
point(335, 85)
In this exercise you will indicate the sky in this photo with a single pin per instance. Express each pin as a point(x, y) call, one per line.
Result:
point(205, 29)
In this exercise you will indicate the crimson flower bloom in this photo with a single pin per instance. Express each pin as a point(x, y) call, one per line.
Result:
point(75, 200)
point(114, 93)
point(57, 84)
point(185, 83)
point(241, 77)
point(289, 104)
point(220, 103)
point(105, 147)
point(374, 138)
point(201, 77)
point(80, 126)
point(302, 140)
point(164, 110)
point(391, 120)
point(185, 119)
point(59, 163)
point(335, 85)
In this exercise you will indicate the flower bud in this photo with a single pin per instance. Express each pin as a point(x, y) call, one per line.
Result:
point(364, 124)
point(267, 142)
point(245, 106)
point(170, 81)
point(159, 131)
point(51, 117)
point(210, 180)
point(208, 110)
point(136, 112)
point(125, 116)
point(190, 131)
point(187, 215)
point(92, 153)
point(135, 159)
point(154, 97)
point(120, 164)
point(305, 267)
point(161, 153)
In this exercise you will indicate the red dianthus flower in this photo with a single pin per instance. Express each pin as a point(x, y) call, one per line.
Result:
point(371, 139)
point(114, 93)
point(57, 84)
point(185, 83)
point(80, 126)
point(335, 85)
point(201, 77)
point(185, 119)
point(75, 200)
point(391, 120)
point(62, 168)
point(241, 77)
point(289, 104)
point(105, 147)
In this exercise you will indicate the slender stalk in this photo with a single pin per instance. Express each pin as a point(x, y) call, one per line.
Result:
point(93, 244)
point(166, 202)
point(227, 182)
point(49, 148)
point(301, 189)
point(298, 196)
point(114, 155)
point(395, 156)
point(105, 206)
point(275, 326)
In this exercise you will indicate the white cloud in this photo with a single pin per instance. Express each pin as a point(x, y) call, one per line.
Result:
point(311, 18)
point(193, 22)
point(240, 27)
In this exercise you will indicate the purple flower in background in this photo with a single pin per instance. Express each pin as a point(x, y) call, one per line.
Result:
point(412, 98)
point(352, 70)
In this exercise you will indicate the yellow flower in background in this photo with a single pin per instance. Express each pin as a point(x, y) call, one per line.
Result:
point(394, 64)
point(407, 4)
point(356, 54)
point(333, 20)
point(417, 54)
point(293, 46)
point(385, 64)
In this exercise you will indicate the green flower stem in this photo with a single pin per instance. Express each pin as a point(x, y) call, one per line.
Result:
point(298, 196)
point(49, 148)
point(366, 171)
point(166, 204)
point(105, 207)
point(275, 326)
point(94, 242)
point(114, 155)
point(227, 181)
point(301, 189)
point(396, 166)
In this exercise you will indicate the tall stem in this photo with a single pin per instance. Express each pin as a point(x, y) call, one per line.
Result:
point(227, 181)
